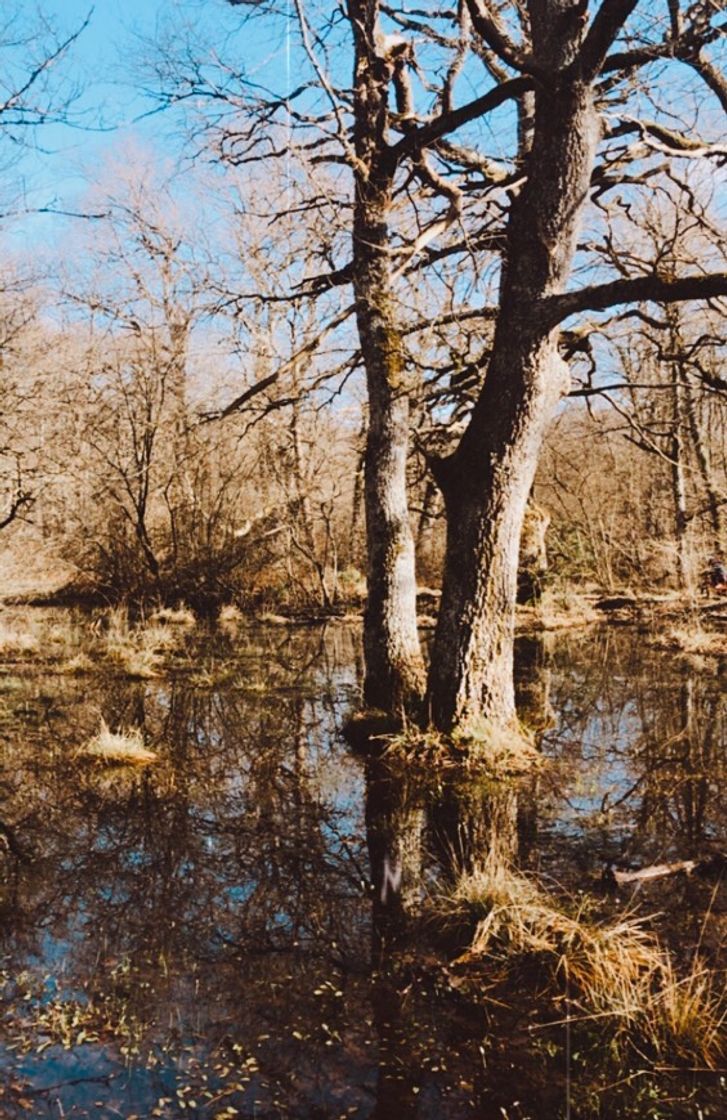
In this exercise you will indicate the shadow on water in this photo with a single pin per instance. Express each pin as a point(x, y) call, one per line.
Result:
point(235, 930)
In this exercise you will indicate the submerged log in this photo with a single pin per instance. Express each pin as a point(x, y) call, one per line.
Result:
point(617, 603)
point(715, 864)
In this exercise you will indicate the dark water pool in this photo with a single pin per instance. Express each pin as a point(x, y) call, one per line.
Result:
point(194, 938)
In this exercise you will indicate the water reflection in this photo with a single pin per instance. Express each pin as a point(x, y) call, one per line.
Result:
point(637, 751)
point(394, 829)
point(232, 927)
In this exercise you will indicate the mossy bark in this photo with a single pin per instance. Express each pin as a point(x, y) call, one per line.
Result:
point(394, 678)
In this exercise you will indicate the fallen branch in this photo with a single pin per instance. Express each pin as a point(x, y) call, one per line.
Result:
point(714, 864)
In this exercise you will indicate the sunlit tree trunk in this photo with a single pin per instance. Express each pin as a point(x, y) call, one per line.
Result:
point(487, 480)
point(394, 668)
point(678, 482)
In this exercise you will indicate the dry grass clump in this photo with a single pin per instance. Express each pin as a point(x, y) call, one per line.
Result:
point(693, 640)
point(230, 615)
point(690, 1014)
point(174, 616)
point(504, 749)
point(615, 971)
point(18, 640)
point(78, 665)
point(494, 749)
point(137, 650)
point(125, 746)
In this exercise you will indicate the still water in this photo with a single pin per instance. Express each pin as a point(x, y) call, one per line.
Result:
point(197, 938)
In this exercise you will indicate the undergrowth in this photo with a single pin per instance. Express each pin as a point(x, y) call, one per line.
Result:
point(614, 972)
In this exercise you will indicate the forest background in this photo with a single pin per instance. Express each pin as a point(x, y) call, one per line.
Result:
point(180, 425)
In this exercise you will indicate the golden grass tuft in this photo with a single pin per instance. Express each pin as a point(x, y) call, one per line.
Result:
point(18, 641)
point(693, 640)
point(138, 651)
point(507, 750)
point(173, 616)
point(492, 749)
point(690, 1014)
point(230, 615)
point(615, 971)
point(119, 747)
point(78, 665)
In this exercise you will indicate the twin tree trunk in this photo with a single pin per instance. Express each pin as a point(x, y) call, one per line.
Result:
point(487, 480)
point(486, 485)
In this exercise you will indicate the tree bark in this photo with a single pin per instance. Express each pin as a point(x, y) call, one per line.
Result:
point(533, 560)
point(394, 668)
point(678, 483)
point(487, 480)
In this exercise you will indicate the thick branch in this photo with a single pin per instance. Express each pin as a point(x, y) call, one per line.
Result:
point(711, 76)
point(655, 289)
point(669, 138)
point(420, 138)
point(608, 21)
point(492, 32)
point(249, 394)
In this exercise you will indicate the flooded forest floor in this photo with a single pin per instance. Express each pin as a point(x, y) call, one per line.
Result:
point(210, 907)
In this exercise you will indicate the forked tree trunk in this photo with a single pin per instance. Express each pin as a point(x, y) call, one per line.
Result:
point(487, 480)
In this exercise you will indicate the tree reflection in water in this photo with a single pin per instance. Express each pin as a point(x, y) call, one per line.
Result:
point(234, 926)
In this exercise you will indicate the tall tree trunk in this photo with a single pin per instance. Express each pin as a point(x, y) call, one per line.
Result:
point(678, 482)
point(394, 667)
point(487, 480)
point(701, 454)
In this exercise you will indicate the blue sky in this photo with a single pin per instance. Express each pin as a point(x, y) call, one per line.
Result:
point(52, 169)
point(105, 62)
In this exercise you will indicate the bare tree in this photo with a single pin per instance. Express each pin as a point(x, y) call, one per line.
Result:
point(660, 374)
point(568, 91)
point(32, 94)
point(18, 396)
point(35, 89)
